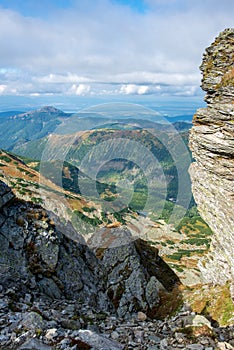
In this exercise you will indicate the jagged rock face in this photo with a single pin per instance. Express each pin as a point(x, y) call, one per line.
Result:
point(6, 195)
point(136, 275)
point(37, 257)
point(212, 145)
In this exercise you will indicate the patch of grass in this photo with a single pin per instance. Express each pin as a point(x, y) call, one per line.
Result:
point(89, 209)
point(197, 241)
point(213, 301)
point(175, 256)
point(194, 225)
point(22, 192)
point(5, 158)
point(95, 221)
point(36, 200)
point(168, 241)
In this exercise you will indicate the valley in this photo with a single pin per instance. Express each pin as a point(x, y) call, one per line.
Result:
point(138, 190)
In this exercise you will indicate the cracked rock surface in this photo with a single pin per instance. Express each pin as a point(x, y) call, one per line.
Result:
point(212, 145)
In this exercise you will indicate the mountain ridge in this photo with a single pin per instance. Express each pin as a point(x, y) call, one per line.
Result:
point(15, 129)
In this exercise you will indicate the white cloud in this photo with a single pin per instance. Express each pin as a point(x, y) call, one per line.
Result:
point(79, 90)
point(110, 47)
point(142, 89)
point(62, 78)
point(2, 89)
point(35, 94)
point(130, 89)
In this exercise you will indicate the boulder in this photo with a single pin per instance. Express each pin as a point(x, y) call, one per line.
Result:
point(135, 272)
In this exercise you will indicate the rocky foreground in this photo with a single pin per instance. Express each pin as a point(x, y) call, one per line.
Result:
point(63, 324)
point(55, 293)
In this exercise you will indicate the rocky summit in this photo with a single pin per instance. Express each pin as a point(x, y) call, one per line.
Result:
point(212, 145)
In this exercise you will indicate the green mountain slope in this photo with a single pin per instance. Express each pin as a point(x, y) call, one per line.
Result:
point(21, 128)
point(139, 162)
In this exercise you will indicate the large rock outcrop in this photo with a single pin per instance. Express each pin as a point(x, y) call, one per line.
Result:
point(38, 258)
point(136, 275)
point(43, 257)
point(212, 145)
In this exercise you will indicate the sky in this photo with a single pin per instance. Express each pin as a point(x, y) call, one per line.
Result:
point(62, 50)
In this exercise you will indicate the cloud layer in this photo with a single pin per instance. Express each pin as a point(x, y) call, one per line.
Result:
point(105, 47)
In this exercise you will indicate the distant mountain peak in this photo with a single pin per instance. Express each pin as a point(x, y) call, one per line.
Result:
point(49, 109)
point(45, 109)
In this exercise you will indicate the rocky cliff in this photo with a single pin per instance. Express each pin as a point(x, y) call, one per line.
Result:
point(212, 145)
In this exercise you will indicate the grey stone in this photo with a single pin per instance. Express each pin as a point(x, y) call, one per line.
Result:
point(51, 333)
point(70, 324)
point(27, 298)
point(154, 338)
point(32, 320)
point(3, 305)
point(6, 195)
point(200, 320)
point(114, 335)
point(99, 342)
point(3, 338)
point(195, 347)
point(34, 344)
point(164, 344)
point(50, 288)
point(152, 289)
point(64, 344)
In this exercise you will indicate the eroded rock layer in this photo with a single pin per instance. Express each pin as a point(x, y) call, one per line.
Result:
point(212, 145)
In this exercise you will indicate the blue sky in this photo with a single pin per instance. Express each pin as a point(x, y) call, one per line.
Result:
point(41, 8)
point(136, 5)
point(110, 49)
point(35, 8)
